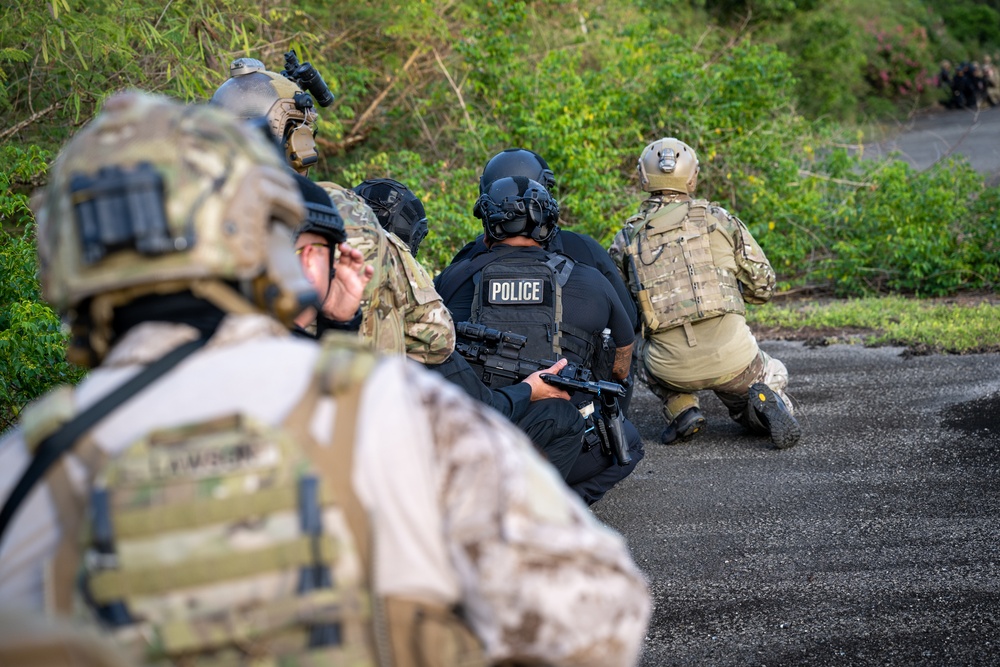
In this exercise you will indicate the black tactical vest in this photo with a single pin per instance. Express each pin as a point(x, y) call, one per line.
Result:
point(524, 295)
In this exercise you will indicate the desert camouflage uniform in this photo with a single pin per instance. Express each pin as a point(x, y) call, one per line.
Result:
point(463, 512)
point(401, 310)
point(691, 344)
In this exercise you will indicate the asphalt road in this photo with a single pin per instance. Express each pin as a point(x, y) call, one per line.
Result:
point(934, 136)
point(874, 541)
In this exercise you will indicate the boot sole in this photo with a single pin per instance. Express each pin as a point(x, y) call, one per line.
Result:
point(690, 430)
point(785, 430)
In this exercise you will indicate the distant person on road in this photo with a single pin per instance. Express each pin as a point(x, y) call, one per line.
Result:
point(946, 81)
point(692, 266)
point(991, 79)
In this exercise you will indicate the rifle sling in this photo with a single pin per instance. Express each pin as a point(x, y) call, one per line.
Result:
point(51, 449)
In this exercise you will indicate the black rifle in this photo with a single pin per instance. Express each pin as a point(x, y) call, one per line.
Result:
point(499, 353)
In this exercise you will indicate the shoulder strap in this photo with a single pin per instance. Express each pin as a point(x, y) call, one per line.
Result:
point(561, 266)
point(465, 271)
point(51, 449)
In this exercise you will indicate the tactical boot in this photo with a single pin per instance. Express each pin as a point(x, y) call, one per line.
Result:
point(683, 427)
point(770, 412)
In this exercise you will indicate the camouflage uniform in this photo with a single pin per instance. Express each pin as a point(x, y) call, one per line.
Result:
point(466, 513)
point(401, 310)
point(696, 342)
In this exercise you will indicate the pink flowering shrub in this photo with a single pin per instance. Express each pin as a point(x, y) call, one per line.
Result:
point(899, 60)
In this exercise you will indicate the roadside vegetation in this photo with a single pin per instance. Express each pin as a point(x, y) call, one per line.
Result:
point(922, 326)
point(775, 96)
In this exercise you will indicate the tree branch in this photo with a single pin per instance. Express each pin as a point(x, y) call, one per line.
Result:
point(29, 120)
point(461, 100)
point(367, 114)
point(839, 181)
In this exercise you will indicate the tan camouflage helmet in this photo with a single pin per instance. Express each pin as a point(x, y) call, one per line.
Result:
point(254, 92)
point(668, 164)
point(156, 197)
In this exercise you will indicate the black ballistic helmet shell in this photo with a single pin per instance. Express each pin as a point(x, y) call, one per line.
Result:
point(398, 210)
point(517, 206)
point(516, 162)
point(321, 215)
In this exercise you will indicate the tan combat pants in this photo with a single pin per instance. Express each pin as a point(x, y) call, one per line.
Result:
point(731, 389)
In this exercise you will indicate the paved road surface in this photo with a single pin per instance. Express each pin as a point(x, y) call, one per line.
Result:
point(873, 542)
point(924, 141)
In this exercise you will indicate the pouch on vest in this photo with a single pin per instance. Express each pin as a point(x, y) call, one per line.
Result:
point(221, 540)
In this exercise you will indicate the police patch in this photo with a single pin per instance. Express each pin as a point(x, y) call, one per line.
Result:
point(516, 290)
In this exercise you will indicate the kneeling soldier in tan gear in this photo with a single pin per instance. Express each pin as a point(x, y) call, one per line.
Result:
point(691, 266)
point(219, 491)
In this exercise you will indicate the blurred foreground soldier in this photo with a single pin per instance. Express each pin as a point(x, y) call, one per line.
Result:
point(220, 491)
point(541, 410)
point(564, 309)
point(691, 266)
point(400, 311)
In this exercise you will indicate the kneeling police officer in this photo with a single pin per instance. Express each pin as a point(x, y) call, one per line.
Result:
point(564, 309)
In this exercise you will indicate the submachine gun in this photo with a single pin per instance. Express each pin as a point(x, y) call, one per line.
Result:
point(499, 354)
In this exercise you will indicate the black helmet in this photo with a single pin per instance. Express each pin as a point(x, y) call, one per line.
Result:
point(516, 162)
point(517, 206)
point(398, 210)
point(321, 215)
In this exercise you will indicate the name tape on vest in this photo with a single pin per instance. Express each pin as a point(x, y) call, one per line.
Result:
point(516, 290)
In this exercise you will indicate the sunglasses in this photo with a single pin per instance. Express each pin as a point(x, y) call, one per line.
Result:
point(298, 251)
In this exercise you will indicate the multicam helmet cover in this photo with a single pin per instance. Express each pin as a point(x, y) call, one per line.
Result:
point(254, 92)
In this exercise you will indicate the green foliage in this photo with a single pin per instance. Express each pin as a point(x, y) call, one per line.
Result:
point(907, 232)
point(32, 343)
point(927, 326)
point(973, 24)
point(82, 50)
point(856, 227)
point(830, 61)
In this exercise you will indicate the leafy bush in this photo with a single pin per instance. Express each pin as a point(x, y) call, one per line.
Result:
point(861, 227)
point(829, 61)
point(972, 23)
point(899, 62)
point(32, 343)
